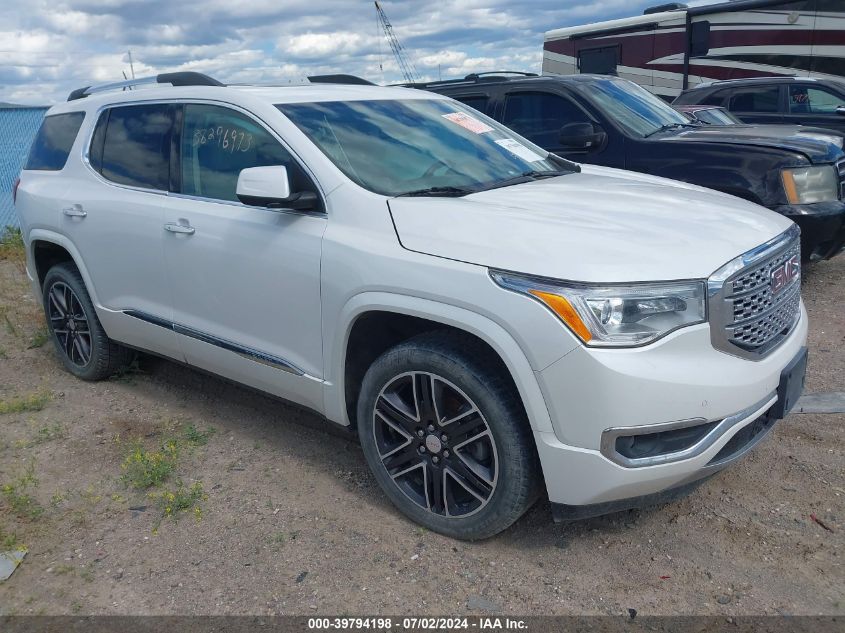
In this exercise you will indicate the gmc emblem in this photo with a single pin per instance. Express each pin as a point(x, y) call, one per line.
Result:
point(785, 273)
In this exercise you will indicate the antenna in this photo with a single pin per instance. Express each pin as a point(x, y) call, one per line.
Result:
point(399, 52)
point(131, 65)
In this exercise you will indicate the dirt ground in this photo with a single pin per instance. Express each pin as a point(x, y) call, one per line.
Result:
point(289, 521)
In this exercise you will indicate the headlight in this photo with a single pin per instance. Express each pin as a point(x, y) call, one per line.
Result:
point(806, 185)
point(618, 315)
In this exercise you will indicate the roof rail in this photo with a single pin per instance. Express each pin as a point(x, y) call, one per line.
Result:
point(339, 79)
point(670, 6)
point(188, 78)
point(492, 75)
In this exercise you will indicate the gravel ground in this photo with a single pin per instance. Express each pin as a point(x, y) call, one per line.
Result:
point(289, 521)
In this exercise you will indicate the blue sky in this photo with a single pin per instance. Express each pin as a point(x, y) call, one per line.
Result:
point(49, 47)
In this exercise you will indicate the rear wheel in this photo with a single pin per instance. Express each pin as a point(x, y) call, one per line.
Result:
point(80, 340)
point(446, 436)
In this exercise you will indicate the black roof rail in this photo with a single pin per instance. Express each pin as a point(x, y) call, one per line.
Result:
point(669, 6)
point(340, 79)
point(186, 78)
point(493, 75)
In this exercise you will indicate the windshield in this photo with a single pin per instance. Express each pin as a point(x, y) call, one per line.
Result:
point(637, 110)
point(396, 147)
point(716, 116)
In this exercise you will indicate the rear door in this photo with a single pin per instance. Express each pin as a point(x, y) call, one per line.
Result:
point(758, 103)
point(816, 105)
point(245, 279)
point(114, 218)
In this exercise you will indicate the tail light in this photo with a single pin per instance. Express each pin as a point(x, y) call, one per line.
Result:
point(15, 190)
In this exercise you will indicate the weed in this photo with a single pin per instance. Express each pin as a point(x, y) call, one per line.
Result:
point(11, 244)
point(58, 498)
point(144, 469)
point(128, 374)
point(16, 497)
point(182, 500)
point(280, 538)
point(195, 437)
point(76, 607)
point(3, 353)
point(32, 402)
point(10, 327)
point(63, 570)
point(38, 339)
point(43, 435)
point(87, 575)
point(8, 540)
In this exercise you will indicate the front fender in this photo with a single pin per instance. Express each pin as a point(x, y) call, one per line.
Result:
point(482, 327)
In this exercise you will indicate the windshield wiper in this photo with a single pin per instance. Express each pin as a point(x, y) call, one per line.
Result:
point(438, 191)
point(668, 126)
point(526, 176)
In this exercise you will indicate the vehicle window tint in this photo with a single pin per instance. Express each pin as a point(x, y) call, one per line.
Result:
point(599, 61)
point(714, 98)
point(52, 145)
point(755, 99)
point(217, 143)
point(136, 147)
point(538, 116)
point(813, 100)
point(479, 102)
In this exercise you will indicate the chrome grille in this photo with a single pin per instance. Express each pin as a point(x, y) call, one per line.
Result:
point(755, 300)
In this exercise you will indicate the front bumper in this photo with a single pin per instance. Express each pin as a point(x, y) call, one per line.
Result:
point(682, 377)
point(822, 228)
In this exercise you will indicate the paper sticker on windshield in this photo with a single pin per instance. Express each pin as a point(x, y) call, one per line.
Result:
point(469, 122)
point(518, 149)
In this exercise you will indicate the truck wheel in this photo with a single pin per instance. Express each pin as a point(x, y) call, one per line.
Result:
point(446, 436)
point(83, 346)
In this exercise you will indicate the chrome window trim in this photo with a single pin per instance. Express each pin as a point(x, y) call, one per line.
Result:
point(717, 287)
point(609, 436)
point(89, 137)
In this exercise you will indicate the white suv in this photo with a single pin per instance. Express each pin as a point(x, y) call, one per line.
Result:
point(492, 319)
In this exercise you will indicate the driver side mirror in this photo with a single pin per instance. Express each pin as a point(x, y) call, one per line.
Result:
point(582, 136)
point(270, 187)
point(840, 110)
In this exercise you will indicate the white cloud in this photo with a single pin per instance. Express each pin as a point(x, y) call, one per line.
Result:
point(49, 47)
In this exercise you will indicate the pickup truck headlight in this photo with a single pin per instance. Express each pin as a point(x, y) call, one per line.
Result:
point(615, 315)
point(806, 185)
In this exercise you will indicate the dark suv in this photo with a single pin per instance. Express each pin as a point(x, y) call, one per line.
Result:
point(614, 122)
point(799, 101)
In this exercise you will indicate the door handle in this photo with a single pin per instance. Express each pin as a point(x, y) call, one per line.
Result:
point(76, 211)
point(175, 227)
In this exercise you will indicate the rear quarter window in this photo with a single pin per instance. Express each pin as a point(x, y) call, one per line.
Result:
point(52, 144)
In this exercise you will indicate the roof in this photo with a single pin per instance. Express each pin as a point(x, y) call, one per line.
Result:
point(772, 79)
point(655, 18)
point(267, 94)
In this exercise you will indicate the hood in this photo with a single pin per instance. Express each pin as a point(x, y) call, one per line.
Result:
point(600, 225)
point(815, 144)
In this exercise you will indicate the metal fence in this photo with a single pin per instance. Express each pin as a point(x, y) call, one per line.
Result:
point(18, 126)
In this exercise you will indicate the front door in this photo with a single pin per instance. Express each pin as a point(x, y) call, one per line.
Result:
point(245, 280)
point(817, 106)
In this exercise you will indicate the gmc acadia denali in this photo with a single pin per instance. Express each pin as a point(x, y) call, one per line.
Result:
point(492, 319)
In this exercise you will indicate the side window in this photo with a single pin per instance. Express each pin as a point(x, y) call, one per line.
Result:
point(755, 99)
point(217, 143)
point(136, 145)
point(479, 102)
point(715, 98)
point(599, 61)
point(803, 99)
point(539, 116)
point(699, 44)
point(52, 145)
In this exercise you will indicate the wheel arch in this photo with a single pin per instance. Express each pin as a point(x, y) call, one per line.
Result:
point(412, 315)
point(46, 249)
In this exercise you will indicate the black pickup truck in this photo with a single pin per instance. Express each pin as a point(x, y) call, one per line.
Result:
point(613, 122)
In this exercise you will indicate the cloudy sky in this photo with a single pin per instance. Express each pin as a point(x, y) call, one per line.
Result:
point(49, 47)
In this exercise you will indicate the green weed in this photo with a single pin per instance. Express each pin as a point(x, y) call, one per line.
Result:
point(18, 500)
point(195, 437)
point(144, 469)
point(38, 339)
point(11, 244)
point(181, 501)
point(31, 402)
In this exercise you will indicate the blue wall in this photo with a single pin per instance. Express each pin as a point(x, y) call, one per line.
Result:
point(18, 127)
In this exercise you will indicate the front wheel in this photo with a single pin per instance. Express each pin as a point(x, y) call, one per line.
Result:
point(446, 436)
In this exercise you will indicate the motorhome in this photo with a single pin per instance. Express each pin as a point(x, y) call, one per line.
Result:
point(674, 47)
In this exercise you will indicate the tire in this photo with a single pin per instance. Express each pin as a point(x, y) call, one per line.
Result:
point(83, 346)
point(463, 488)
